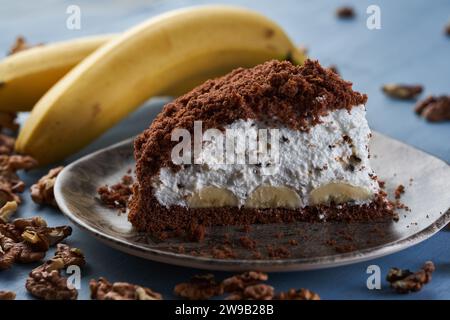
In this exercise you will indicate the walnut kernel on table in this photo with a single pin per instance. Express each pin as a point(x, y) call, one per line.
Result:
point(259, 291)
point(42, 191)
point(102, 289)
point(8, 121)
point(46, 282)
point(7, 210)
point(10, 183)
point(117, 195)
point(241, 281)
point(345, 12)
point(21, 44)
point(402, 91)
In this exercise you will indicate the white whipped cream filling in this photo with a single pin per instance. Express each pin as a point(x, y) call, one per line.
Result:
point(307, 160)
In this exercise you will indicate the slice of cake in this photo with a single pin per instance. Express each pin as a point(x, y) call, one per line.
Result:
point(274, 143)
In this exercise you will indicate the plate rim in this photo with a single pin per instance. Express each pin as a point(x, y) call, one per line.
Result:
point(270, 265)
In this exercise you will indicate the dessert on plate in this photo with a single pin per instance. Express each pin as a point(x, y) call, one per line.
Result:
point(270, 144)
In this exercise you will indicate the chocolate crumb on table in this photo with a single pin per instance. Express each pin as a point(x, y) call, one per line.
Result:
point(402, 91)
point(117, 195)
point(102, 289)
point(434, 108)
point(405, 281)
point(345, 12)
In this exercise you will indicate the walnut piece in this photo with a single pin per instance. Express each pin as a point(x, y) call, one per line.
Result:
point(45, 282)
point(42, 191)
point(27, 240)
point(7, 295)
point(241, 281)
point(301, 294)
point(200, 287)
point(70, 256)
point(41, 239)
point(102, 289)
point(259, 291)
point(20, 44)
point(8, 121)
point(434, 109)
point(402, 91)
point(405, 281)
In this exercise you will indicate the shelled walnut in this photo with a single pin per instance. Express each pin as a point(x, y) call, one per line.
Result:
point(102, 289)
point(46, 282)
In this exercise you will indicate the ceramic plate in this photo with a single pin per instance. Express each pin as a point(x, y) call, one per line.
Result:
point(299, 246)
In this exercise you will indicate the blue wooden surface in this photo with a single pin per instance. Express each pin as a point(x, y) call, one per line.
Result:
point(410, 47)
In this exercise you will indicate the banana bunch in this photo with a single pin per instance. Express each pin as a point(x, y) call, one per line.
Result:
point(111, 76)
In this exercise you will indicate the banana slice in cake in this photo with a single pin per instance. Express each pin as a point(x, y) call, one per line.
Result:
point(273, 197)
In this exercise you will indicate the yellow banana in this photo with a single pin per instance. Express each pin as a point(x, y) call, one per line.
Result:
point(26, 76)
point(156, 57)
